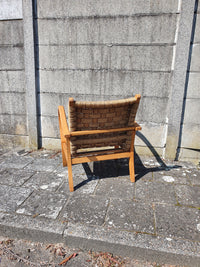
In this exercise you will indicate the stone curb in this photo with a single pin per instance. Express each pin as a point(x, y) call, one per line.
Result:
point(35, 229)
point(140, 246)
point(124, 243)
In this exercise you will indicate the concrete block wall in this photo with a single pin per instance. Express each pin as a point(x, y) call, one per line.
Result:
point(190, 145)
point(13, 130)
point(101, 50)
point(107, 50)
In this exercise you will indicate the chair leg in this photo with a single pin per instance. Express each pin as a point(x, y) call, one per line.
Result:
point(69, 164)
point(131, 167)
point(131, 159)
point(64, 159)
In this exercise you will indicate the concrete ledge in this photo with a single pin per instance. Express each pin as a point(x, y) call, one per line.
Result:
point(140, 246)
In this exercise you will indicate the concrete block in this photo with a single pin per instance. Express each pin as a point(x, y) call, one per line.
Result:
point(10, 9)
point(11, 32)
point(195, 60)
point(152, 134)
point(51, 143)
point(75, 8)
point(192, 155)
point(73, 81)
point(198, 9)
point(107, 82)
point(12, 103)
point(12, 58)
point(149, 151)
point(13, 124)
point(191, 136)
point(192, 111)
point(193, 85)
point(153, 58)
point(152, 110)
point(50, 102)
point(12, 141)
point(13, 81)
point(120, 30)
point(50, 127)
point(197, 29)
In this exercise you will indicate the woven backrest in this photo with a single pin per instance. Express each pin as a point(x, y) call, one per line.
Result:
point(102, 115)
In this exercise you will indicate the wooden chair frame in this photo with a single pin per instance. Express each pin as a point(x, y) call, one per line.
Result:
point(68, 160)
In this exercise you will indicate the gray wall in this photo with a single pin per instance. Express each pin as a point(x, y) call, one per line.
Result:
point(191, 124)
point(105, 50)
point(13, 130)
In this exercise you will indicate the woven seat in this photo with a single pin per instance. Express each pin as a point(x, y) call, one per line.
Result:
point(99, 130)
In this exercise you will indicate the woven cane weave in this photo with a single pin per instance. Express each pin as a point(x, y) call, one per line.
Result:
point(102, 115)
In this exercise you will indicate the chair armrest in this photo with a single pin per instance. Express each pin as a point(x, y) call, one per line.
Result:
point(137, 126)
point(63, 122)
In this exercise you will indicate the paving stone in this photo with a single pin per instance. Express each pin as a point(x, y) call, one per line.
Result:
point(42, 165)
point(176, 176)
point(188, 195)
point(14, 177)
point(15, 162)
point(116, 188)
point(83, 179)
point(155, 192)
point(105, 169)
point(44, 181)
point(26, 227)
point(84, 209)
point(144, 175)
point(130, 215)
point(45, 204)
point(11, 197)
point(47, 154)
point(176, 221)
point(194, 176)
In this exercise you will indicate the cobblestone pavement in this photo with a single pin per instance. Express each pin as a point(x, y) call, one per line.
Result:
point(157, 218)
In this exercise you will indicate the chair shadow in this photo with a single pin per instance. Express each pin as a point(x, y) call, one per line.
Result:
point(120, 167)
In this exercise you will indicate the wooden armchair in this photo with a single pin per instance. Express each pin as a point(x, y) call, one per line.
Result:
point(101, 130)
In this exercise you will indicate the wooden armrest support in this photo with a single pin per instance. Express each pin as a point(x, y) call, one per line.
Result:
point(136, 127)
point(63, 122)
